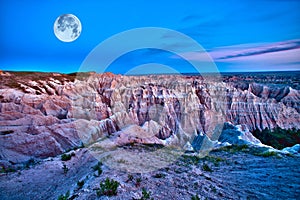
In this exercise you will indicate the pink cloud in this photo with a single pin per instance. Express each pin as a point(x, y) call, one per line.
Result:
point(274, 53)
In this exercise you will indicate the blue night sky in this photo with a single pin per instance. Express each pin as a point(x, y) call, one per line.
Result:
point(248, 35)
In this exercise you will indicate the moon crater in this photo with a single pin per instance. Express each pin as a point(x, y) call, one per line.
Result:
point(67, 28)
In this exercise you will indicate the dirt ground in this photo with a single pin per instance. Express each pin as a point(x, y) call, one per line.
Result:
point(220, 175)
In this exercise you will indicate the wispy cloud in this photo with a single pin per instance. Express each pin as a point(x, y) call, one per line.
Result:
point(264, 49)
point(280, 52)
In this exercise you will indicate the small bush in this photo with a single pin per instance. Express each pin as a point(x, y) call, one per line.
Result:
point(29, 163)
point(80, 184)
point(145, 195)
point(109, 187)
point(159, 175)
point(195, 197)
point(97, 167)
point(65, 168)
point(129, 177)
point(64, 197)
point(138, 182)
point(206, 168)
point(7, 170)
point(66, 157)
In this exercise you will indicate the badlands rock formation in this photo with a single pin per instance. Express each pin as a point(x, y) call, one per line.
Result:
point(45, 114)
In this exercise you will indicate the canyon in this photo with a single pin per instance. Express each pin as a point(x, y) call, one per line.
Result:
point(63, 111)
point(44, 115)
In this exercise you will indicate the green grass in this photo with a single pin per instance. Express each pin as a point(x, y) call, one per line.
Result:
point(215, 160)
point(268, 154)
point(191, 159)
point(234, 148)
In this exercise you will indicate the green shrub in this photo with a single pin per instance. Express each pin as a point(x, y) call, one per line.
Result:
point(138, 182)
point(195, 197)
point(97, 167)
point(159, 175)
point(66, 157)
point(65, 168)
point(29, 163)
point(64, 197)
point(7, 170)
point(129, 177)
point(109, 187)
point(80, 184)
point(206, 168)
point(278, 138)
point(145, 195)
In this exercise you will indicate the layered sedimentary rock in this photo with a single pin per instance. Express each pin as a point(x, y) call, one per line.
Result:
point(44, 114)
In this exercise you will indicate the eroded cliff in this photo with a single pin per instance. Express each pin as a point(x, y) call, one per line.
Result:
point(44, 114)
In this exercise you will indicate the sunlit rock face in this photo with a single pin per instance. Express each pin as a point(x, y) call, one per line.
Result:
point(45, 114)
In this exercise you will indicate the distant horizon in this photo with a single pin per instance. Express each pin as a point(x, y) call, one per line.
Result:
point(184, 73)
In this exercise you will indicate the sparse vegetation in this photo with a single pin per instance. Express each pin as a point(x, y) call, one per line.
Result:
point(29, 163)
point(145, 195)
point(129, 177)
point(66, 157)
point(109, 187)
point(65, 168)
point(191, 159)
point(64, 197)
point(215, 160)
point(234, 148)
point(278, 138)
point(268, 154)
point(98, 168)
point(206, 168)
point(159, 175)
point(213, 189)
point(7, 169)
point(121, 161)
point(138, 182)
point(80, 184)
point(195, 197)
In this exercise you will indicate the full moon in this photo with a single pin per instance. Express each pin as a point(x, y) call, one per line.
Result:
point(67, 28)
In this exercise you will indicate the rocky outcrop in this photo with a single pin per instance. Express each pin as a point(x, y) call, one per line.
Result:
point(44, 114)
